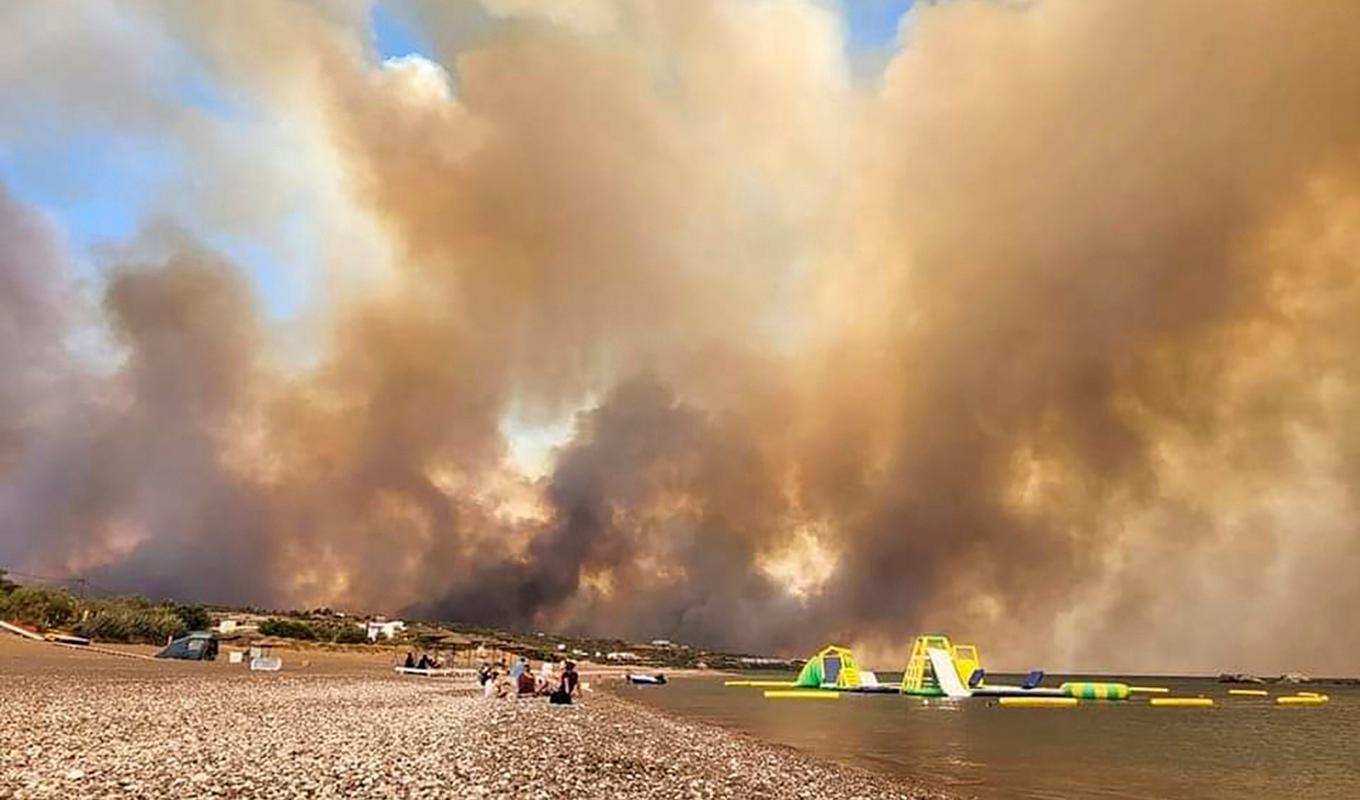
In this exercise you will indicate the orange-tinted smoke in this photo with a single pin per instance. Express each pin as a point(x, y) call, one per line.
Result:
point(1045, 338)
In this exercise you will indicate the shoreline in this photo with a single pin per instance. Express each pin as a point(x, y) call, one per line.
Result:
point(80, 724)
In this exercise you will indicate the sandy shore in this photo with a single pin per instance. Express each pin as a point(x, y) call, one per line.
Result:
point(76, 724)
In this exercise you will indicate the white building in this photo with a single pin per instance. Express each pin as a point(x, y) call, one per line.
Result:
point(618, 656)
point(384, 629)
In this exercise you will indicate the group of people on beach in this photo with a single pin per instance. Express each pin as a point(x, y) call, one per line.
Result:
point(425, 662)
point(520, 681)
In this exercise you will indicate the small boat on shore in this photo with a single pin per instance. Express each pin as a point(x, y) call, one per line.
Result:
point(645, 680)
point(428, 672)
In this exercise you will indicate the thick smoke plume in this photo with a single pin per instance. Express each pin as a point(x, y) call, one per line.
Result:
point(1047, 336)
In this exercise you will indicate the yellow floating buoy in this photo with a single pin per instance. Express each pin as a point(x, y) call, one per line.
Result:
point(1038, 702)
point(1095, 691)
point(1250, 692)
point(801, 694)
point(1181, 702)
point(1148, 690)
point(1303, 700)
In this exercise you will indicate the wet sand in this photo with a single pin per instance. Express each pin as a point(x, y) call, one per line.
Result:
point(77, 724)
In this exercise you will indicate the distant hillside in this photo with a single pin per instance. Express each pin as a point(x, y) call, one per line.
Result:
point(130, 618)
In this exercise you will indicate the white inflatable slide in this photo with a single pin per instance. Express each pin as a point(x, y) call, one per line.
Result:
point(946, 674)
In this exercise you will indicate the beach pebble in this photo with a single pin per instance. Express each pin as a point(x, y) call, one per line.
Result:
point(149, 731)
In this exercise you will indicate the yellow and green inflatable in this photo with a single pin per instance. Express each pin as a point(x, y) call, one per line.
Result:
point(834, 667)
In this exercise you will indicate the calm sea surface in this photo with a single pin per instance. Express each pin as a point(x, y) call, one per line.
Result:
point(1241, 749)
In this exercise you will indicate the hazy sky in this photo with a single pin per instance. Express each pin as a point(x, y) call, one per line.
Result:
point(752, 323)
point(99, 178)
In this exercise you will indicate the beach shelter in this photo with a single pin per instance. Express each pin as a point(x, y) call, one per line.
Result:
point(833, 667)
point(197, 646)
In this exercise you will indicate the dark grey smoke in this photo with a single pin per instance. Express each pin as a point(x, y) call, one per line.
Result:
point(671, 506)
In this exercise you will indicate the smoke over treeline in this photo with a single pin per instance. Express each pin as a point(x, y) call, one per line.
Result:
point(1047, 336)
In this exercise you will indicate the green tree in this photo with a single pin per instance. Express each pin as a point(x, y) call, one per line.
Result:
point(6, 585)
point(194, 617)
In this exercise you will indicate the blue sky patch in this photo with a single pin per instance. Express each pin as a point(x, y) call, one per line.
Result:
point(395, 35)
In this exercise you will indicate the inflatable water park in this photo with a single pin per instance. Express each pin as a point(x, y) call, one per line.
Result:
point(937, 668)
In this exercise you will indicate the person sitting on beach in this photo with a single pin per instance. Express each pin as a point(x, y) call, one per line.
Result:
point(483, 674)
point(424, 661)
point(568, 688)
point(525, 683)
point(410, 660)
point(490, 685)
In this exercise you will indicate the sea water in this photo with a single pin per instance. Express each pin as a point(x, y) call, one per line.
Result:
point(1242, 748)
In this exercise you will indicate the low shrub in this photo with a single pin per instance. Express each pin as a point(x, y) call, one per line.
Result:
point(288, 629)
point(350, 634)
point(119, 621)
point(128, 618)
point(39, 607)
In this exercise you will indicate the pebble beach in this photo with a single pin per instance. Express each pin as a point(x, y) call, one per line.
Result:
point(76, 724)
